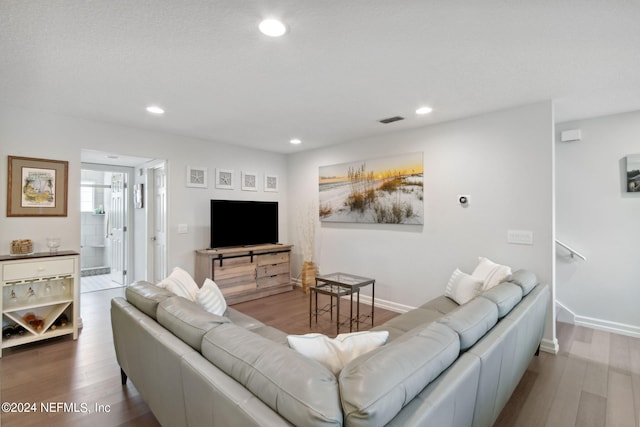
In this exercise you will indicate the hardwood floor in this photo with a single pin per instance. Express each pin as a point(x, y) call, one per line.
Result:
point(296, 306)
point(593, 381)
point(82, 372)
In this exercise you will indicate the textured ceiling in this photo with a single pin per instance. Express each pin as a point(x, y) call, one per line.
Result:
point(342, 66)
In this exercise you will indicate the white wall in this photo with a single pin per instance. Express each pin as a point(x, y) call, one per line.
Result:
point(598, 218)
point(35, 134)
point(503, 160)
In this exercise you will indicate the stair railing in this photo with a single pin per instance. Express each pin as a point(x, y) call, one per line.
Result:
point(572, 252)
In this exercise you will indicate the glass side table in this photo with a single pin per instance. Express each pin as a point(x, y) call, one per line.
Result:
point(338, 285)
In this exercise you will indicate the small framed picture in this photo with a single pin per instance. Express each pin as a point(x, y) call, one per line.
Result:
point(224, 179)
point(138, 196)
point(249, 181)
point(270, 182)
point(196, 177)
point(37, 187)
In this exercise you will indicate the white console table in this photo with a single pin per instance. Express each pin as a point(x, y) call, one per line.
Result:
point(44, 284)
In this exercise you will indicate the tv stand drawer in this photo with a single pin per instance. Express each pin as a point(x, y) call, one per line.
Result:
point(276, 280)
point(272, 270)
point(273, 258)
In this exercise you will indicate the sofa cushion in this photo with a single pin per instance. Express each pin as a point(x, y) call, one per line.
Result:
point(180, 283)
point(441, 304)
point(187, 320)
point(525, 279)
point(463, 287)
point(299, 389)
point(146, 297)
point(377, 385)
point(210, 298)
point(335, 353)
point(472, 320)
point(506, 295)
point(272, 334)
point(242, 320)
point(394, 333)
point(490, 273)
point(413, 318)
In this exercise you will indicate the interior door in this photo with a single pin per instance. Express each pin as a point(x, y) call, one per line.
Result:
point(159, 223)
point(117, 227)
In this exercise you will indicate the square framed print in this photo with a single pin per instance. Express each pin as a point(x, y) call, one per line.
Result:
point(224, 179)
point(196, 177)
point(37, 187)
point(249, 181)
point(270, 182)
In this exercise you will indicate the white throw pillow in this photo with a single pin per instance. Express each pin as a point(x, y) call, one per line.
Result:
point(490, 273)
point(337, 352)
point(180, 283)
point(211, 299)
point(463, 287)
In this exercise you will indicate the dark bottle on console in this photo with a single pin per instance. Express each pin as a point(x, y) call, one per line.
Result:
point(60, 322)
point(8, 331)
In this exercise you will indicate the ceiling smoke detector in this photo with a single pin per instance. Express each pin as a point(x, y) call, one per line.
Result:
point(391, 119)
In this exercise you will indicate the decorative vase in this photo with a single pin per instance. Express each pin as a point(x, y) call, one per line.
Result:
point(308, 275)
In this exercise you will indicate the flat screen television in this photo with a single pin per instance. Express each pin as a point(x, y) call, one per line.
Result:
point(243, 223)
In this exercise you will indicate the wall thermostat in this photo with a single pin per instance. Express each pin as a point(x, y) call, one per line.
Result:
point(463, 199)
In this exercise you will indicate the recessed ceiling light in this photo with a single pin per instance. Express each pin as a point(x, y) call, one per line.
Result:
point(295, 141)
point(272, 28)
point(424, 110)
point(154, 109)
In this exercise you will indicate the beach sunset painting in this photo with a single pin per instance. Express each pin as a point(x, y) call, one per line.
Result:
point(386, 191)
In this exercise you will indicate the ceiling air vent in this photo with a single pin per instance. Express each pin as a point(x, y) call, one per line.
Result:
point(391, 119)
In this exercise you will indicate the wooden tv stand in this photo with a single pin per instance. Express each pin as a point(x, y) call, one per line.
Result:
point(246, 273)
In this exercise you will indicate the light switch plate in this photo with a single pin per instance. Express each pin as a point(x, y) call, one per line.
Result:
point(520, 237)
point(183, 228)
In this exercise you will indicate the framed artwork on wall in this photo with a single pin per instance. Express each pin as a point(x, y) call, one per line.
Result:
point(270, 182)
point(196, 177)
point(386, 190)
point(138, 196)
point(37, 187)
point(633, 173)
point(224, 179)
point(249, 181)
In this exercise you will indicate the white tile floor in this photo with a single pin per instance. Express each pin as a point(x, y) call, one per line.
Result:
point(97, 283)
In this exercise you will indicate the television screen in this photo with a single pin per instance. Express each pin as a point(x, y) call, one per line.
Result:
point(243, 223)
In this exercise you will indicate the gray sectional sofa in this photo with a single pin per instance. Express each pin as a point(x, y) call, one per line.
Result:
point(444, 364)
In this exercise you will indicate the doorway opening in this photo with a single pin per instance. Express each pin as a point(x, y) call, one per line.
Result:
point(104, 224)
point(124, 211)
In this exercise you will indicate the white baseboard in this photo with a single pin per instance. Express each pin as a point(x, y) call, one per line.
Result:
point(594, 323)
point(564, 314)
point(549, 346)
point(605, 325)
point(387, 305)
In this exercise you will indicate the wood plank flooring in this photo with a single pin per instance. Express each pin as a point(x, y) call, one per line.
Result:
point(593, 381)
point(73, 372)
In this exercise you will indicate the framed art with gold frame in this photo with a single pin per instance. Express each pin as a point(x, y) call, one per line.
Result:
point(37, 187)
